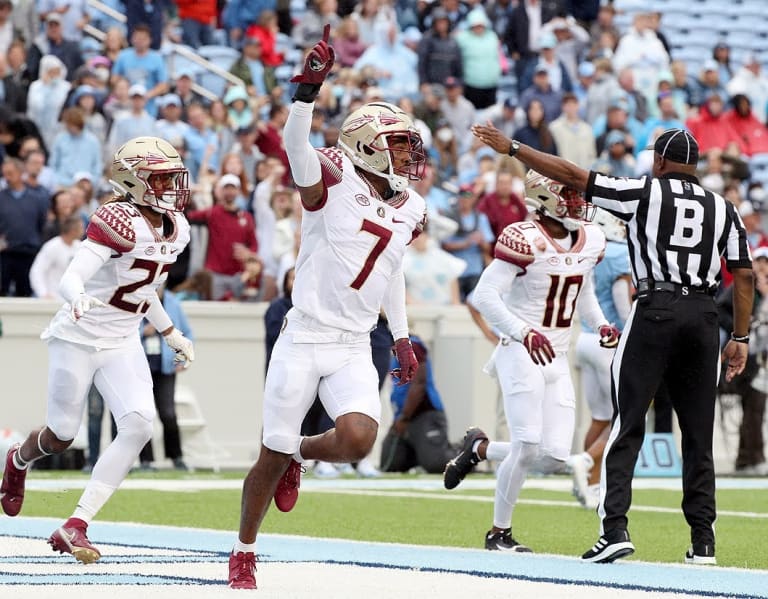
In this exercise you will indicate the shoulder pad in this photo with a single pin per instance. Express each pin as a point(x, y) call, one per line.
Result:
point(331, 165)
point(112, 225)
point(512, 246)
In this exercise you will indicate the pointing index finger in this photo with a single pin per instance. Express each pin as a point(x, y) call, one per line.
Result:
point(326, 32)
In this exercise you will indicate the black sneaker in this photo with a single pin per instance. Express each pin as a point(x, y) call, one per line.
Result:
point(460, 466)
point(701, 554)
point(503, 541)
point(610, 547)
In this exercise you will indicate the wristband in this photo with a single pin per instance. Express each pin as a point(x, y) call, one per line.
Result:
point(737, 339)
point(306, 92)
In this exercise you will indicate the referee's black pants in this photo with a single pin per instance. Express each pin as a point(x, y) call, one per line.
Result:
point(674, 338)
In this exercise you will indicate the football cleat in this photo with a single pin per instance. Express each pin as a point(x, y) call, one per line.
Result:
point(71, 538)
point(242, 570)
point(580, 467)
point(462, 464)
point(610, 547)
point(12, 488)
point(502, 541)
point(701, 554)
point(287, 491)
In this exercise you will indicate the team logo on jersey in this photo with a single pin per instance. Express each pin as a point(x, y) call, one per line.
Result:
point(362, 200)
point(380, 211)
point(554, 260)
point(163, 249)
point(568, 260)
point(150, 250)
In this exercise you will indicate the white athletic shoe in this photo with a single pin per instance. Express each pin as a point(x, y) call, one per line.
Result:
point(592, 498)
point(325, 470)
point(581, 464)
point(345, 468)
point(366, 469)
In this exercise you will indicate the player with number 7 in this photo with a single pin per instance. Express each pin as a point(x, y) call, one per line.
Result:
point(358, 217)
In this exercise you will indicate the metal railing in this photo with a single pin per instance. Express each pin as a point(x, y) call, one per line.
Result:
point(183, 51)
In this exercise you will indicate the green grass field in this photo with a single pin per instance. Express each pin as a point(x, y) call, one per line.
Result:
point(457, 518)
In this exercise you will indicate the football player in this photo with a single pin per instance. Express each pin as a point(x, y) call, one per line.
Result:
point(539, 277)
point(613, 287)
point(358, 218)
point(110, 285)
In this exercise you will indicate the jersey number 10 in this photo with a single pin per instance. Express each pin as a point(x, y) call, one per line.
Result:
point(560, 301)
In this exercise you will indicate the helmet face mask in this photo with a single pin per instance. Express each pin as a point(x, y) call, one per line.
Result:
point(381, 139)
point(149, 172)
point(556, 200)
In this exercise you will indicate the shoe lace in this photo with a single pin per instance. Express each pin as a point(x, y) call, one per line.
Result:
point(293, 475)
point(246, 563)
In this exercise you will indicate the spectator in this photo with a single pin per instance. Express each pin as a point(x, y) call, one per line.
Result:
point(559, 78)
point(750, 81)
point(270, 138)
point(419, 433)
point(245, 146)
point(503, 206)
point(136, 122)
point(572, 41)
point(231, 239)
point(238, 15)
point(198, 20)
point(76, 149)
point(72, 13)
point(11, 92)
point(202, 143)
point(572, 135)
point(14, 128)
point(536, 132)
point(458, 111)
point(615, 160)
point(52, 42)
point(259, 78)
point(480, 56)
point(712, 129)
point(47, 96)
point(395, 66)
point(25, 19)
point(265, 30)
point(54, 257)
point(182, 87)
point(602, 90)
point(542, 91)
point(753, 133)
point(617, 117)
point(347, 42)
point(146, 15)
point(238, 111)
point(721, 54)
point(683, 86)
point(114, 43)
point(707, 84)
point(669, 118)
point(170, 126)
point(142, 65)
point(604, 24)
point(310, 25)
point(638, 104)
point(17, 77)
point(36, 174)
point(164, 367)
point(86, 98)
point(472, 241)
point(431, 273)
point(23, 212)
point(371, 18)
point(439, 54)
point(62, 206)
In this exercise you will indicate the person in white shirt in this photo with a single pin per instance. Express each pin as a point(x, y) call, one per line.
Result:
point(54, 257)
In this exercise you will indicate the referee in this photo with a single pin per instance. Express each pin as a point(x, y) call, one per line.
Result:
point(677, 233)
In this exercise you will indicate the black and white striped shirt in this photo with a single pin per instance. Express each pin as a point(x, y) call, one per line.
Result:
point(676, 230)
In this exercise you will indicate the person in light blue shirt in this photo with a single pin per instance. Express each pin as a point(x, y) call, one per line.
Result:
point(396, 66)
point(132, 124)
point(202, 143)
point(75, 149)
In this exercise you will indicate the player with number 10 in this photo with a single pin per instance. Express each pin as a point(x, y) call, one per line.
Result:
point(358, 218)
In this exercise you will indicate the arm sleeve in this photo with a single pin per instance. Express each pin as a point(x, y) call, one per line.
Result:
point(394, 306)
point(487, 298)
point(37, 272)
point(305, 164)
point(89, 258)
point(588, 306)
point(621, 298)
point(157, 316)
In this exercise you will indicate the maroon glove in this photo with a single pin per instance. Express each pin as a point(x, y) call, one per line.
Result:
point(318, 63)
point(403, 351)
point(609, 336)
point(539, 348)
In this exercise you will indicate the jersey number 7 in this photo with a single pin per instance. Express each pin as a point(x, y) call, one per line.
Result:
point(384, 235)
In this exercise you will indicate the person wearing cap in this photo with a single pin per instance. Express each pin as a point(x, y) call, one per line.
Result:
point(259, 78)
point(458, 111)
point(572, 41)
point(481, 59)
point(750, 81)
point(136, 122)
point(667, 119)
point(707, 84)
point(524, 32)
point(170, 126)
point(559, 77)
point(231, 238)
point(615, 160)
point(542, 91)
point(617, 117)
point(71, 14)
point(52, 41)
point(439, 54)
point(142, 65)
point(678, 231)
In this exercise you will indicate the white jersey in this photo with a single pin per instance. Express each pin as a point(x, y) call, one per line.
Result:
point(128, 280)
point(544, 295)
point(351, 246)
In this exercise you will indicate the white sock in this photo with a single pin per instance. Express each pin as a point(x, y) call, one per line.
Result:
point(297, 456)
point(244, 547)
point(95, 495)
point(21, 465)
point(475, 447)
point(497, 450)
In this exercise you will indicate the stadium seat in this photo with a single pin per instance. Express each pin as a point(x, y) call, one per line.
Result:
point(212, 82)
point(197, 446)
point(222, 56)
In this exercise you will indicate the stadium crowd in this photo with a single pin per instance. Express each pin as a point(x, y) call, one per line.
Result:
point(558, 75)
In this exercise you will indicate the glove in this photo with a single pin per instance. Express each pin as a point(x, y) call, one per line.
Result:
point(403, 351)
point(82, 303)
point(185, 351)
point(317, 65)
point(609, 336)
point(538, 347)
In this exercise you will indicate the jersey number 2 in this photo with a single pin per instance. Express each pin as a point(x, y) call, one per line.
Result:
point(558, 300)
point(154, 271)
point(384, 235)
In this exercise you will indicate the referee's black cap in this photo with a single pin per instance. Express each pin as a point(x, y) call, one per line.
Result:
point(677, 145)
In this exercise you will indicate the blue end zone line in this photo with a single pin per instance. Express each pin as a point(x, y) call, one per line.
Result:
point(688, 580)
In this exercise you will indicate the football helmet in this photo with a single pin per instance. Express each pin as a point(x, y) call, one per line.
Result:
point(149, 171)
point(556, 200)
point(375, 137)
point(613, 228)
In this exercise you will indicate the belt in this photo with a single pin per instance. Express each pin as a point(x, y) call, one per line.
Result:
point(682, 289)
